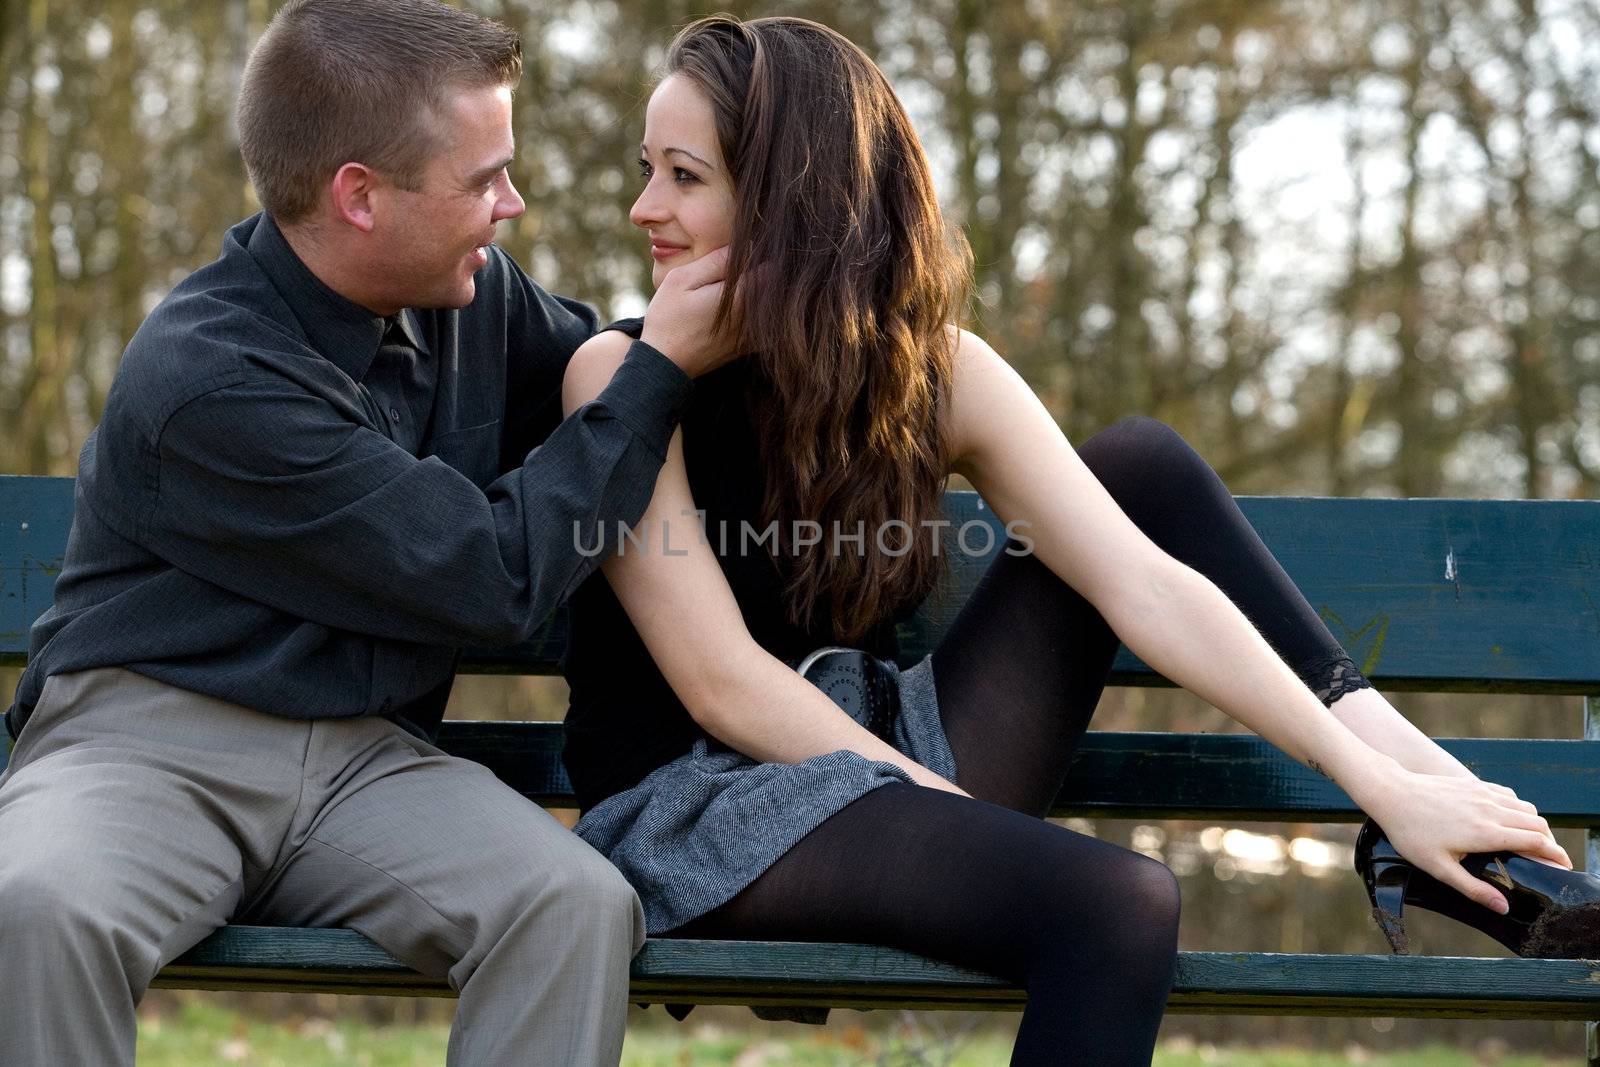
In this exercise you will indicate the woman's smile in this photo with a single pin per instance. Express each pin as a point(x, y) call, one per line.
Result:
point(663, 250)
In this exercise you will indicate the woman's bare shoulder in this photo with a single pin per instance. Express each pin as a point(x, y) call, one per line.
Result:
point(590, 369)
point(606, 345)
point(980, 377)
point(973, 353)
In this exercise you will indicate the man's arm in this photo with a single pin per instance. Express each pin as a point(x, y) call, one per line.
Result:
point(272, 493)
point(544, 329)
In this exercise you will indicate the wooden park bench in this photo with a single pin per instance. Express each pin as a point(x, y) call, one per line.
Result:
point(1431, 595)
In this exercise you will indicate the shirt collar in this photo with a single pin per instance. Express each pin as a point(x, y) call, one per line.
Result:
point(408, 327)
point(342, 331)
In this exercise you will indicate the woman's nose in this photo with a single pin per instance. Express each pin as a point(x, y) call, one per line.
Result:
point(648, 210)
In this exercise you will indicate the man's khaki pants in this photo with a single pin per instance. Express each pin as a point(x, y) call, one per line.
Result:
point(135, 818)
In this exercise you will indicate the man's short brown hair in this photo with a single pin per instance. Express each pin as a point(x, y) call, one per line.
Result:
point(359, 81)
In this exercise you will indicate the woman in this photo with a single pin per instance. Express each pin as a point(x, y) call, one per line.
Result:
point(738, 799)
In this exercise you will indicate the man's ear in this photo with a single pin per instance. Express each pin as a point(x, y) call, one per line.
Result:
point(354, 186)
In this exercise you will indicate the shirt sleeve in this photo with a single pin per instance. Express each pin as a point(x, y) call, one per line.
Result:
point(271, 492)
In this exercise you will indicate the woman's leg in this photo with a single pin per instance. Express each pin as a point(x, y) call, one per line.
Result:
point(1018, 676)
point(1021, 669)
point(1088, 928)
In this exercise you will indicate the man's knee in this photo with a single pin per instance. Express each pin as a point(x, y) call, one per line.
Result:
point(574, 908)
point(576, 889)
point(50, 912)
point(588, 879)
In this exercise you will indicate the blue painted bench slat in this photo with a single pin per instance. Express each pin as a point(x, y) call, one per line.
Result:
point(1146, 775)
point(861, 976)
point(1435, 595)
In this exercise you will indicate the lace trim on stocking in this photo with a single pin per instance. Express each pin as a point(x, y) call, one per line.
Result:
point(1335, 677)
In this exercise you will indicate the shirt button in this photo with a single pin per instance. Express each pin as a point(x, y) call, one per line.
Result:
point(394, 414)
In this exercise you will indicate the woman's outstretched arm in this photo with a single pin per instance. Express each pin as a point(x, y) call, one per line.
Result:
point(1370, 716)
point(1002, 439)
point(680, 603)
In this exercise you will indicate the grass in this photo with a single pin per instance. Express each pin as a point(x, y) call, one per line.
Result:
point(201, 1034)
point(206, 1034)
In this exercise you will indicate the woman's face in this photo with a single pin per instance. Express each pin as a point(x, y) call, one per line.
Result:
point(687, 203)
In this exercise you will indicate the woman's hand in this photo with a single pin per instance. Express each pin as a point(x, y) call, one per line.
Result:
point(1434, 820)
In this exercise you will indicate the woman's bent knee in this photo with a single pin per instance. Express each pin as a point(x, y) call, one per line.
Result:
point(1138, 445)
point(1151, 471)
point(1128, 904)
point(1154, 900)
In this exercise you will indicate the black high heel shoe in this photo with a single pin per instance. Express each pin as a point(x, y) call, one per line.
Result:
point(1555, 913)
point(858, 683)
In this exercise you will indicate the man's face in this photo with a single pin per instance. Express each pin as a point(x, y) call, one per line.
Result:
point(434, 239)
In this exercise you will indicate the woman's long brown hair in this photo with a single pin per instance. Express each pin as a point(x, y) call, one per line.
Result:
point(844, 281)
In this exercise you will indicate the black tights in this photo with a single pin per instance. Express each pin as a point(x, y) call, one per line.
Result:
point(1088, 928)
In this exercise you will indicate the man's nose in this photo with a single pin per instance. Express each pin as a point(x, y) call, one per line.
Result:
point(510, 203)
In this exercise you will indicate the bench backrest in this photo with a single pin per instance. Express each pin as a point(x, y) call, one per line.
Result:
point(1443, 595)
point(1437, 595)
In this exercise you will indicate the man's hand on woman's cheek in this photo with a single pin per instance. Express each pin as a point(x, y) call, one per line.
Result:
point(680, 321)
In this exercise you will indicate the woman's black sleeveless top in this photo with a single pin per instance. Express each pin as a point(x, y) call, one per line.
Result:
point(624, 721)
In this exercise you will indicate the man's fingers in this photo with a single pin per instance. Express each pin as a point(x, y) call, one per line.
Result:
point(709, 268)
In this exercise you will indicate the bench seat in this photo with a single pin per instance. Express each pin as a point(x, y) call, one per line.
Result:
point(1120, 775)
point(860, 976)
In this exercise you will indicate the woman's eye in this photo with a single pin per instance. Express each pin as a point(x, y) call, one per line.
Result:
point(679, 175)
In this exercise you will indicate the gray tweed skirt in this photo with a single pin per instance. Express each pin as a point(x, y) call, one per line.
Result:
point(697, 830)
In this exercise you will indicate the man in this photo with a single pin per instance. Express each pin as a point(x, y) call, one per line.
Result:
point(329, 460)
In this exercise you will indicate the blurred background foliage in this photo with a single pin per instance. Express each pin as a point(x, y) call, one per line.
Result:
point(1344, 247)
